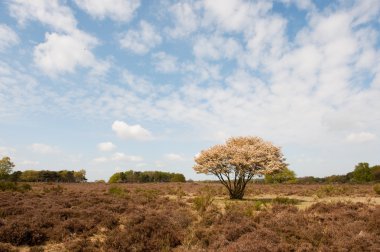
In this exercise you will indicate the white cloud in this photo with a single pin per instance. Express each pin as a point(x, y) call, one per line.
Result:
point(301, 4)
point(106, 146)
point(48, 12)
point(216, 47)
point(7, 151)
point(174, 157)
point(234, 15)
point(125, 131)
point(185, 19)
point(360, 137)
point(64, 49)
point(137, 83)
point(164, 62)
point(159, 164)
point(29, 163)
point(8, 37)
point(63, 53)
point(100, 160)
point(118, 10)
point(44, 148)
point(141, 41)
point(119, 156)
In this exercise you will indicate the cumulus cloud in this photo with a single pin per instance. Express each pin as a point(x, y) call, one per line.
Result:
point(164, 62)
point(174, 157)
point(234, 15)
point(44, 148)
point(8, 37)
point(360, 137)
point(216, 47)
point(29, 163)
point(100, 160)
point(63, 53)
point(118, 10)
point(136, 83)
point(125, 131)
point(142, 40)
point(185, 19)
point(106, 146)
point(48, 12)
point(7, 151)
point(67, 47)
point(119, 156)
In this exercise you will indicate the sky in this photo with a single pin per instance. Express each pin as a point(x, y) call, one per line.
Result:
point(114, 85)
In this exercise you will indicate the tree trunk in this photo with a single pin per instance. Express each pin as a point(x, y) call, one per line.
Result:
point(237, 194)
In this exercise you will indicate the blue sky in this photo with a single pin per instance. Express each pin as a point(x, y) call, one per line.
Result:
point(114, 85)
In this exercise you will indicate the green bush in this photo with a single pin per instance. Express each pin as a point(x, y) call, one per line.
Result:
point(285, 201)
point(12, 186)
point(376, 188)
point(8, 186)
point(117, 191)
point(204, 200)
point(330, 190)
point(25, 187)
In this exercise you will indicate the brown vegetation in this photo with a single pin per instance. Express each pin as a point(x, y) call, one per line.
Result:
point(186, 217)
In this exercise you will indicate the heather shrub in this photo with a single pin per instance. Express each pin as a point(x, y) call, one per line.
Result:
point(150, 231)
point(147, 194)
point(37, 249)
point(6, 248)
point(53, 189)
point(22, 233)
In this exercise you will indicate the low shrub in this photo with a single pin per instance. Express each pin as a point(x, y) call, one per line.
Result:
point(330, 190)
point(202, 202)
point(8, 186)
point(22, 233)
point(13, 186)
point(53, 189)
point(150, 231)
point(285, 201)
point(117, 191)
point(376, 188)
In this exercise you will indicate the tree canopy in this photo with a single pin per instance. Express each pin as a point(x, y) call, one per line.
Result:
point(6, 167)
point(238, 160)
point(282, 176)
point(362, 173)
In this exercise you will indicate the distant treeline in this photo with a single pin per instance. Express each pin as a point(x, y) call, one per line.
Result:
point(362, 173)
point(48, 176)
point(146, 177)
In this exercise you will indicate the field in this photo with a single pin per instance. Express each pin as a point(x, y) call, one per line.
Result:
point(189, 217)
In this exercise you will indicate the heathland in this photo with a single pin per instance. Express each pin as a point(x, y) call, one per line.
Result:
point(191, 216)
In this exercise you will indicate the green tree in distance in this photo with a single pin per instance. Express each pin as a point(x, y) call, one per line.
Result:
point(362, 173)
point(6, 167)
point(283, 176)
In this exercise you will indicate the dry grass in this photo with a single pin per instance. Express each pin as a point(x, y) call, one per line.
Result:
point(189, 217)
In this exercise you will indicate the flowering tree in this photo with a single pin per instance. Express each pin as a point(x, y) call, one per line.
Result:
point(238, 160)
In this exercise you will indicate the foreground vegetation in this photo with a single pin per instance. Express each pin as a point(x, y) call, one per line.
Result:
point(189, 217)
